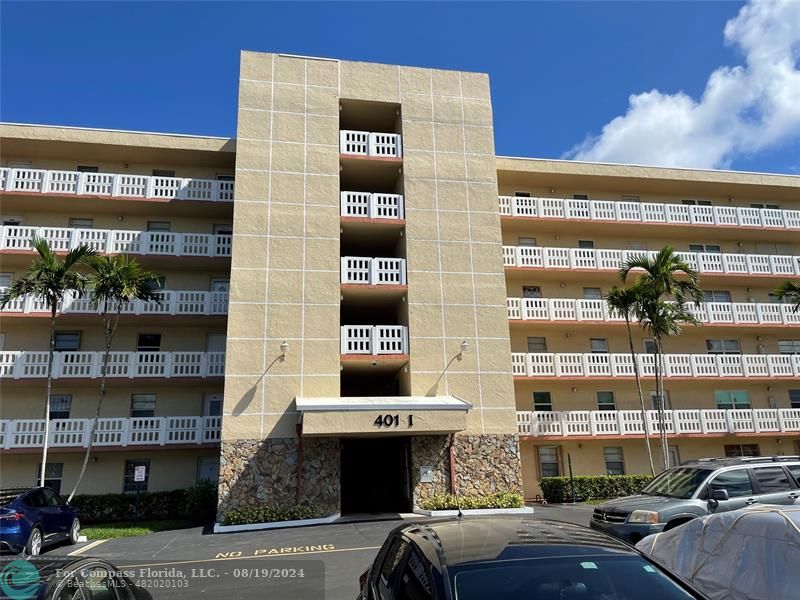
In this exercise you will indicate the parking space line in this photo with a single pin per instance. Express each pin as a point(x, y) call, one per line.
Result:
point(80, 551)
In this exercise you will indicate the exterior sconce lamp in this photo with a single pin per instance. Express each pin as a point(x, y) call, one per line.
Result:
point(464, 348)
point(284, 349)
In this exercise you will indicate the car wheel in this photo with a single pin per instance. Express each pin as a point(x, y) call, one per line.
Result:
point(34, 545)
point(675, 523)
point(74, 531)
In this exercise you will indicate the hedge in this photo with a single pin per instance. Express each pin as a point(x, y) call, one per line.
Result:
point(198, 503)
point(451, 502)
point(595, 487)
point(269, 514)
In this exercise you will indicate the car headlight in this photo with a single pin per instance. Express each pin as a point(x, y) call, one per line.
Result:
point(643, 516)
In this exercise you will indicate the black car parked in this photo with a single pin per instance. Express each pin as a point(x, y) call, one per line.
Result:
point(481, 558)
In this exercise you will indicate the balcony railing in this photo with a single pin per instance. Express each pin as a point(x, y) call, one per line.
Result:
point(114, 185)
point(366, 205)
point(568, 365)
point(172, 302)
point(648, 212)
point(590, 423)
point(374, 339)
point(33, 364)
point(365, 143)
point(111, 241)
point(373, 271)
point(611, 260)
point(115, 431)
point(718, 313)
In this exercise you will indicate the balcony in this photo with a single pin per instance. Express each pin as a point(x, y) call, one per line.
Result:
point(365, 205)
point(710, 313)
point(87, 365)
point(173, 302)
point(594, 423)
point(107, 241)
point(369, 144)
point(535, 257)
point(570, 365)
point(648, 212)
point(357, 270)
point(371, 340)
point(135, 431)
point(114, 185)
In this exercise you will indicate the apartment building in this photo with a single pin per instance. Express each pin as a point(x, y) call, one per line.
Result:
point(383, 309)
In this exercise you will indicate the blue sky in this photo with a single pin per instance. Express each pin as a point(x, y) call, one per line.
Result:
point(559, 71)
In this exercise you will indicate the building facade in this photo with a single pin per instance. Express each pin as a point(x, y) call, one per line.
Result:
point(383, 309)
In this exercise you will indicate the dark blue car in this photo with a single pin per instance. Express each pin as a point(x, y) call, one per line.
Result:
point(33, 518)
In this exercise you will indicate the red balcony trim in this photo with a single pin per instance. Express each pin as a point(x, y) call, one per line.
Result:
point(388, 159)
point(129, 448)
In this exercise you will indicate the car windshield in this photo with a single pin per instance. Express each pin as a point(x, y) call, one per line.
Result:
point(554, 578)
point(676, 483)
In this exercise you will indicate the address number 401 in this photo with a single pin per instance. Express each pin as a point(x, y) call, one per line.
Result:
point(392, 420)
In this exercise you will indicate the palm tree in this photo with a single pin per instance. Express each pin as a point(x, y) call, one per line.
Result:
point(791, 291)
point(49, 278)
point(623, 301)
point(665, 276)
point(115, 280)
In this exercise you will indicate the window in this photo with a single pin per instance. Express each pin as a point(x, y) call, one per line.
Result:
point(649, 346)
point(605, 401)
point(148, 342)
point(631, 199)
point(795, 469)
point(163, 173)
point(208, 469)
point(592, 293)
point(723, 347)
point(772, 479)
point(707, 248)
point(717, 296)
point(598, 345)
point(6, 279)
point(53, 473)
point(737, 450)
point(60, 405)
point(736, 483)
point(789, 346)
point(586, 244)
point(68, 340)
point(730, 399)
point(81, 223)
point(674, 457)
point(225, 177)
point(654, 400)
point(526, 241)
point(522, 194)
point(763, 205)
point(794, 398)
point(220, 285)
point(774, 299)
point(548, 462)
point(128, 482)
point(696, 202)
point(531, 291)
point(537, 344)
point(388, 569)
point(19, 164)
point(158, 225)
point(143, 405)
point(160, 283)
point(615, 465)
point(222, 229)
point(580, 196)
point(415, 584)
point(88, 169)
point(542, 401)
point(637, 246)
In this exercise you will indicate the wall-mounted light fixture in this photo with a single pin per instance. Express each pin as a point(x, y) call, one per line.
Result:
point(464, 347)
point(284, 349)
point(574, 389)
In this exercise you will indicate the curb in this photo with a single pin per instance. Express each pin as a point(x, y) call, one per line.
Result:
point(475, 512)
point(275, 525)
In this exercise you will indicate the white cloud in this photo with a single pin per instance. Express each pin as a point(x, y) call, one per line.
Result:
point(743, 110)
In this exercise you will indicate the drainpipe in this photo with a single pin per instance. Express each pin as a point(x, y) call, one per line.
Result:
point(453, 486)
point(299, 487)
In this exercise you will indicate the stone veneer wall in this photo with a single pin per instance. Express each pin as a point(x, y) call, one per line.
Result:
point(254, 472)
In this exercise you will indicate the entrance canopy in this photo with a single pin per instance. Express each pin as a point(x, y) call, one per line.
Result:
point(383, 415)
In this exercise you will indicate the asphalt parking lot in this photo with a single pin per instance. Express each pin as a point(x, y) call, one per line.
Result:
point(276, 564)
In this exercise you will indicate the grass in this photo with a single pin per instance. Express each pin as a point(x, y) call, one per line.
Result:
point(104, 531)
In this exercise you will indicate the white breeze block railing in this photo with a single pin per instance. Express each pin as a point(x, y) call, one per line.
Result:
point(172, 302)
point(611, 260)
point(367, 205)
point(374, 339)
point(546, 364)
point(675, 422)
point(114, 185)
point(365, 143)
point(115, 431)
point(373, 271)
point(720, 313)
point(648, 212)
point(112, 241)
point(33, 364)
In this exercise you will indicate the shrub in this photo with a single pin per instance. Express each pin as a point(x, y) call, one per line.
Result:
point(198, 503)
point(269, 514)
point(451, 502)
point(594, 487)
point(201, 501)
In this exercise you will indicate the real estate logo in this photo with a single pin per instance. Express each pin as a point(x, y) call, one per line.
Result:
point(19, 580)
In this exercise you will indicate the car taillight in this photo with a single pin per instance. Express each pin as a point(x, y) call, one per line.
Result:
point(15, 516)
point(362, 580)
